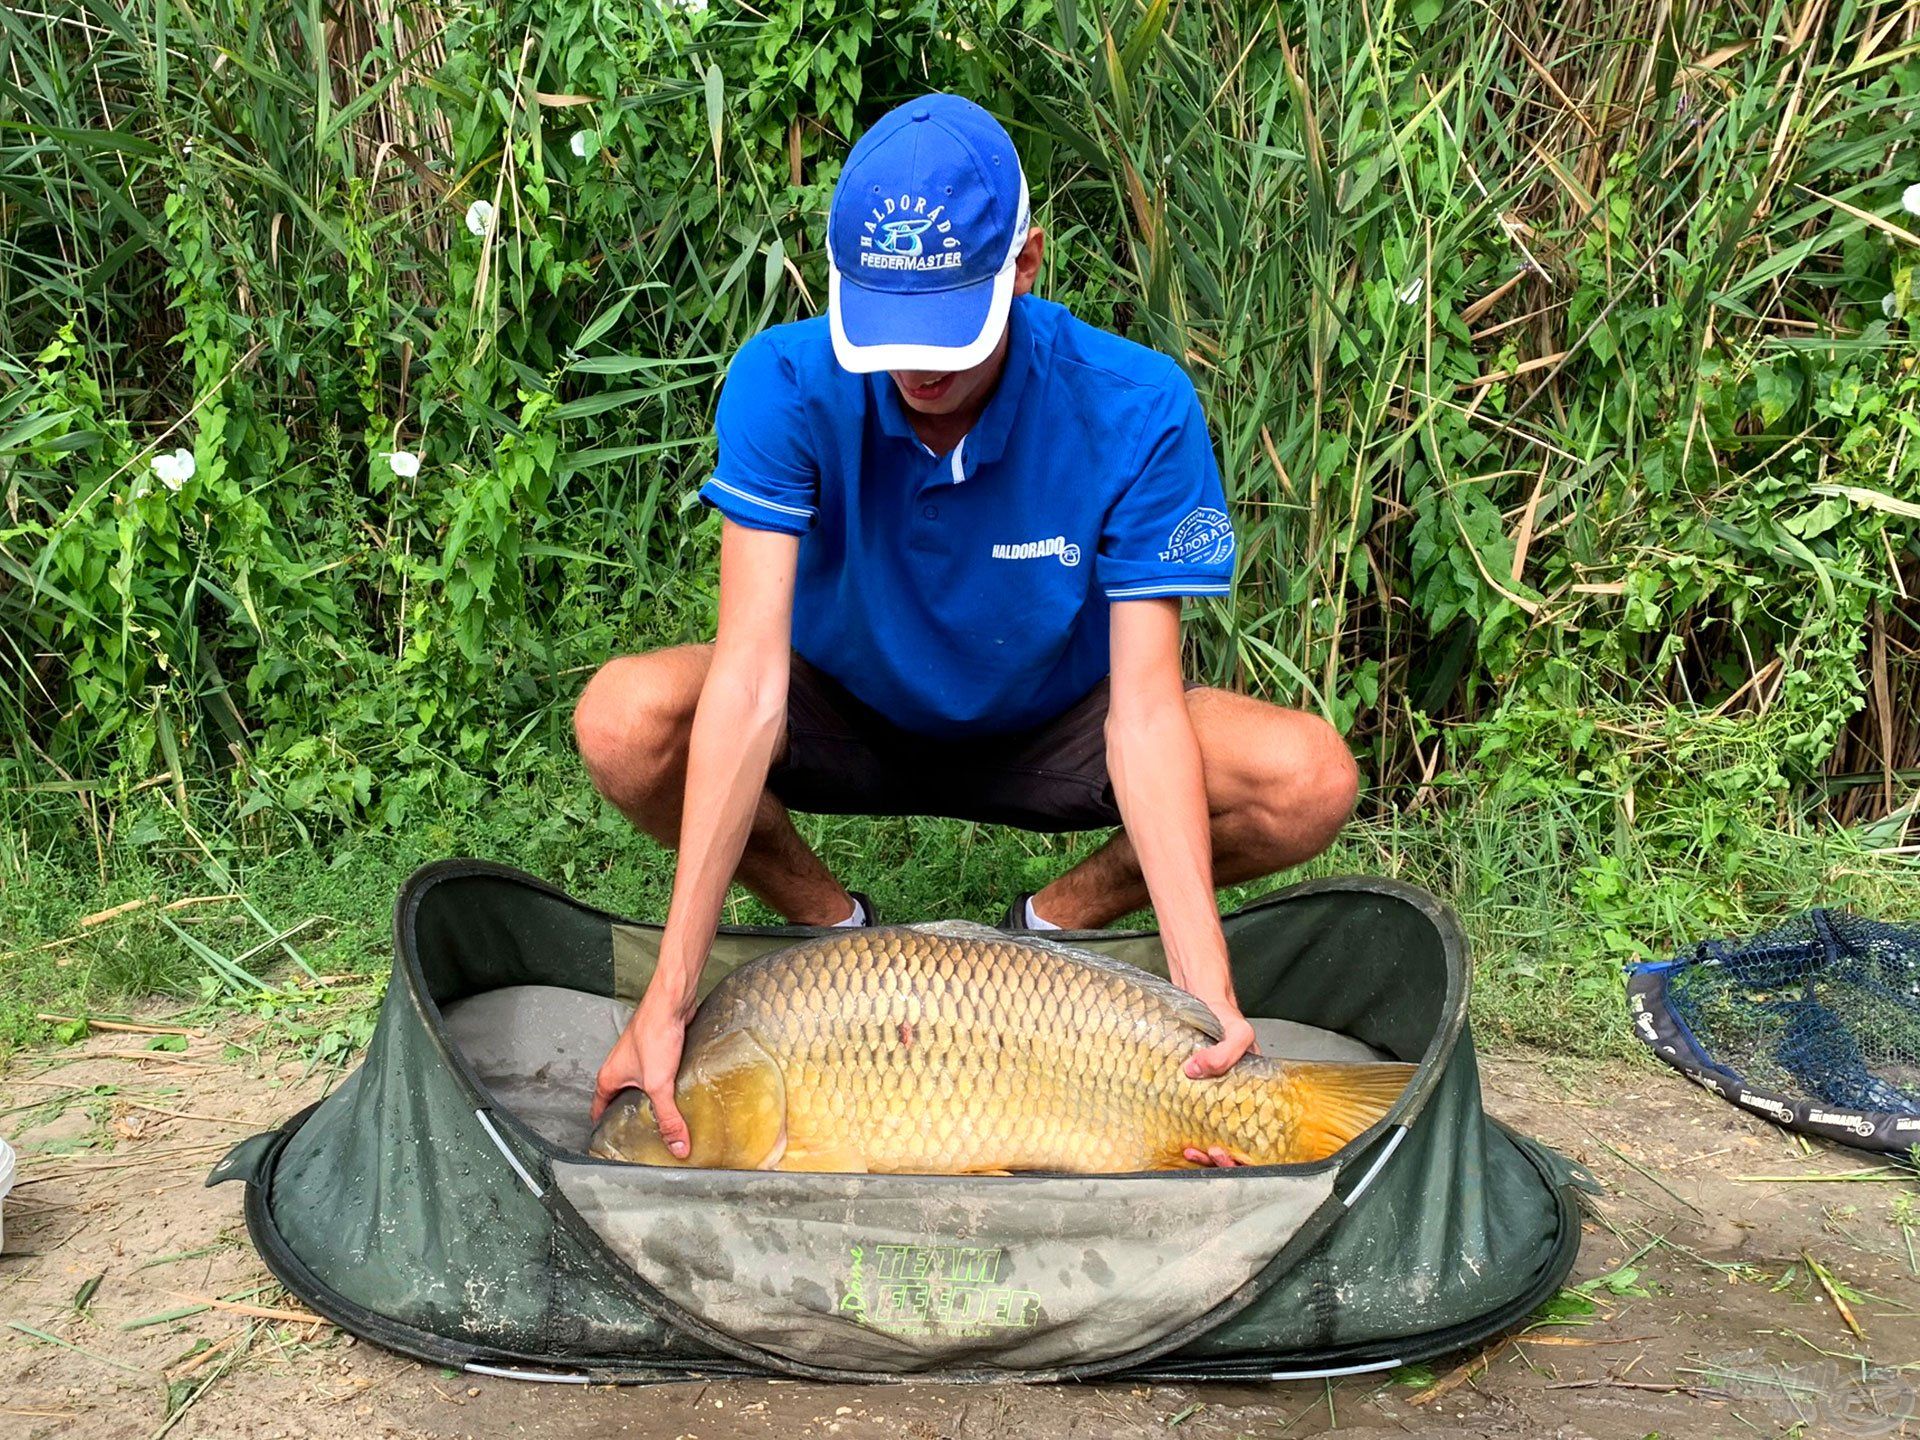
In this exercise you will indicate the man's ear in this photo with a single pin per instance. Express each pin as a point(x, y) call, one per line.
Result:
point(1026, 269)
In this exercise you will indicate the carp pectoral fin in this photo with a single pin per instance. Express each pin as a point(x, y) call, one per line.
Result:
point(1336, 1102)
point(734, 1099)
point(825, 1157)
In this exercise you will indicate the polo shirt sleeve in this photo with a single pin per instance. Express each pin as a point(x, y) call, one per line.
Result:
point(1168, 533)
point(766, 477)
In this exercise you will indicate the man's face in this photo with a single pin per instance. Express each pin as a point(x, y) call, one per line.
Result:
point(955, 392)
point(947, 392)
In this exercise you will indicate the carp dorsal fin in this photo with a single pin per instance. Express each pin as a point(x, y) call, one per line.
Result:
point(1189, 1008)
point(957, 930)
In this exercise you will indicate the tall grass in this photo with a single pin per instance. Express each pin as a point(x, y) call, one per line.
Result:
point(1520, 328)
point(1560, 360)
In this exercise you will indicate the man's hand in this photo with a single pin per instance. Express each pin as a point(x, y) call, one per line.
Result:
point(647, 1054)
point(1236, 1039)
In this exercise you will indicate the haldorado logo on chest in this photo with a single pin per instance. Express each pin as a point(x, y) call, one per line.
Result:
point(1054, 546)
point(902, 233)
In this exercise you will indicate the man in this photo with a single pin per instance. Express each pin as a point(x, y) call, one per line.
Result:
point(958, 525)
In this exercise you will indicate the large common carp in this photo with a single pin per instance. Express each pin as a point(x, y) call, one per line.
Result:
point(952, 1049)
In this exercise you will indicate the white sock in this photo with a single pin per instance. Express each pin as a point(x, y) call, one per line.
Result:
point(858, 917)
point(1034, 922)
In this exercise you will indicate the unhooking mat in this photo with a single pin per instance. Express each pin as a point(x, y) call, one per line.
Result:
point(439, 1202)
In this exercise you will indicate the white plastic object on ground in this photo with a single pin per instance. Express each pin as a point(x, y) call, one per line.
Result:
point(6, 1184)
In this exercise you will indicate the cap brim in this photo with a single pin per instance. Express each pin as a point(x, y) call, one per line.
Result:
point(952, 330)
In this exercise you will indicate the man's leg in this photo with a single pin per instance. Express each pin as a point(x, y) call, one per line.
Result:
point(633, 722)
point(1280, 783)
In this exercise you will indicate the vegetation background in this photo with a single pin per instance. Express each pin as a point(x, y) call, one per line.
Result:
point(1560, 359)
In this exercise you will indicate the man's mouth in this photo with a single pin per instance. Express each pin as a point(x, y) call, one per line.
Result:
point(930, 389)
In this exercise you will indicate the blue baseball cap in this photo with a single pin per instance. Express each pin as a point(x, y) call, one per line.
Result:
point(928, 217)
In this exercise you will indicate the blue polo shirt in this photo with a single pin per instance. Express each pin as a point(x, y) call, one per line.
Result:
point(968, 593)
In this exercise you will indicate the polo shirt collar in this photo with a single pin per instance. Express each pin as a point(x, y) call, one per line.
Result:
point(988, 438)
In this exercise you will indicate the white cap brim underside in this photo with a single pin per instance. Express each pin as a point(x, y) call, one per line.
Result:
point(868, 359)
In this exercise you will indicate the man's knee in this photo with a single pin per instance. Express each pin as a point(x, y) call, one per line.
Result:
point(1323, 776)
point(631, 721)
point(1285, 775)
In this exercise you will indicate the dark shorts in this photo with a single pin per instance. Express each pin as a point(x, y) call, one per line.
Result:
point(844, 758)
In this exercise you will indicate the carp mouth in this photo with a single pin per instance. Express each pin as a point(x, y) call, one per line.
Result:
point(733, 1097)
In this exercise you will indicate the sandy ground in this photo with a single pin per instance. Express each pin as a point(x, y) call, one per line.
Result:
point(1720, 1329)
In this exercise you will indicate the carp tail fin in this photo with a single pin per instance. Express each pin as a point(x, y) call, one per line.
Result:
point(1337, 1103)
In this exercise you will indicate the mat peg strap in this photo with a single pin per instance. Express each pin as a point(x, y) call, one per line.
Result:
point(244, 1160)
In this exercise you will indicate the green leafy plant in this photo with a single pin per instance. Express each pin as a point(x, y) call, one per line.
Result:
point(356, 377)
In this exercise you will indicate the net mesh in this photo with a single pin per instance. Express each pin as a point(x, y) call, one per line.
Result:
point(1827, 1005)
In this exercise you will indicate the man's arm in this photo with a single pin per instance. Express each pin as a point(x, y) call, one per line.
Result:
point(1154, 759)
point(737, 728)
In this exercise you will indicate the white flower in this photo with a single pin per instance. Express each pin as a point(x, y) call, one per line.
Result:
point(1889, 304)
point(1910, 199)
point(479, 217)
point(174, 470)
point(581, 140)
point(403, 463)
point(691, 7)
point(1410, 293)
